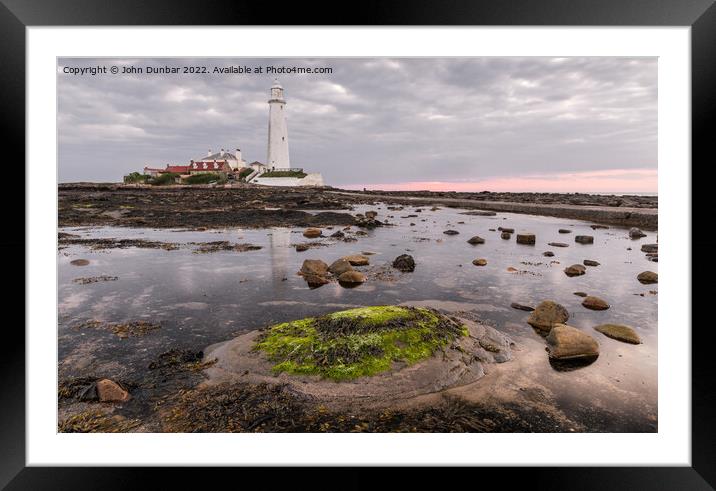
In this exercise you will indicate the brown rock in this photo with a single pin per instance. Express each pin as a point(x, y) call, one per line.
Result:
point(636, 233)
point(479, 262)
point(505, 235)
point(547, 314)
point(650, 248)
point(595, 303)
point(476, 240)
point(312, 233)
point(648, 277)
point(580, 294)
point(584, 239)
point(404, 263)
point(110, 391)
point(451, 232)
point(567, 342)
point(526, 238)
point(575, 270)
point(301, 247)
point(619, 332)
point(79, 262)
point(357, 260)
point(314, 280)
point(548, 254)
point(340, 266)
point(589, 262)
point(564, 231)
point(351, 278)
point(506, 229)
point(314, 267)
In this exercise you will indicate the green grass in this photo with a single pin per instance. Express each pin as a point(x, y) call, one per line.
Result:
point(244, 173)
point(356, 343)
point(163, 179)
point(283, 173)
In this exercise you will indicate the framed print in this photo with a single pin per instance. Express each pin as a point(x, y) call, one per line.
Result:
point(429, 237)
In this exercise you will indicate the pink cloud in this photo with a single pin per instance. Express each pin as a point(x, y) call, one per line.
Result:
point(610, 180)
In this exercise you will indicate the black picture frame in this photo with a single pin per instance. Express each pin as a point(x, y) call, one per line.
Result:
point(16, 15)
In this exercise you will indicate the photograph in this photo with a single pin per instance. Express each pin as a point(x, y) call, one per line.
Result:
point(357, 244)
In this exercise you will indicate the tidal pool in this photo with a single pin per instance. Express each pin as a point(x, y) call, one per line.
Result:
point(203, 298)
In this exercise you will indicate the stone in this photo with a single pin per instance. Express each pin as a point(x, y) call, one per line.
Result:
point(589, 262)
point(558, 244)
point(636, 233)
point(351, 278)
point(548, 254)
point(404, 263)
point(357, 260)
point(650, 248)
point(338, 235)
point(505, 235)
point(314, 267)
point(519, 306)
point(79, 262)
point(597, 227)
point(526, 238)
point(580, 294)
point(575, 270)
point(476, 240)
point(314, 280)
point(110, 391)
point(371, 214)
point(506, 229)
point(340, 266)
point(564, 231)
point(451, 232)
point(547, 314)
point(594, 303)
point(647, 277)
point(620, 333)
point(567, 342)
point(584, 239)
point(302, 247)
point(479, 262)
point(312, 233)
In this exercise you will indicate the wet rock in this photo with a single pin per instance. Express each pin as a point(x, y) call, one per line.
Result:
point(526, 238)
point(314, 280)
point(575, 270)
point(558, 244)
point(302, 247)
point(584, 239)
point(312, 233)
point(636, 233)
point(597, 227)
point(338, 235)
point(357, 260)
point(351, 278)
point(519, 306)
point(548, 254)
point(110, 391)
point(650, 248)
point(340, 266)
point(567, 342)
point(505, 235)
point(620, 333)
point(647, 277)
point(79, 262)
point(404, 263)
point(476, 240)
point(594, 303)
point(547, 314)
point(506, 229)
point(564, 231)
point(451, 232)
point(580, 294)
point(479, 262)
point(314, 267)
point(589, 262)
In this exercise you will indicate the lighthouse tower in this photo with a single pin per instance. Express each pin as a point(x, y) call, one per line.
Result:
point(277, 132)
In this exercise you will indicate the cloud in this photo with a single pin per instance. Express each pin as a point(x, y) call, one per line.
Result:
point(375, 121)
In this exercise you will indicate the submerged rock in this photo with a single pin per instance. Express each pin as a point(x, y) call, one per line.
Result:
point(526, 238)
point(619, 332)
point(595, 303)
point(567, 342)
point(548, 314)
point(404, 263)
point(636, 233)
point(648, 277)
point(312, 233)
point(584, 239)
point(519, 306)
point(476, 240)
point(575, 270)
point(479, 262)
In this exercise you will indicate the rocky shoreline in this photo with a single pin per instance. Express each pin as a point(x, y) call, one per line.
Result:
point(88, 204)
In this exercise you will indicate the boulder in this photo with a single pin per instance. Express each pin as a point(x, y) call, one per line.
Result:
point(312, 233)
point(648, 277)
point(589, 262)
point(404, 263)
point(547, 314)
point(519, 306)
point(575, 270)
point(526, 238)
point(340, 266)
point(548, 254)
point(558, 244)
point(584, 239)
point(476, 240)
point(357, 260)
point(636, 233)
point(451, 232)
point(650, 248)
point(619, 332)
point(314, 267)
point(505, 235)
point(110, 391)
point(594, 303)
point(351, 278)
point(479, 262)
point(567, 342)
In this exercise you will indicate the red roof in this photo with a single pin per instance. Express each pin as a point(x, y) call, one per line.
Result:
point(179, 169)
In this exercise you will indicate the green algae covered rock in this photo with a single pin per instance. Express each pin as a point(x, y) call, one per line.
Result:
point(359, 342)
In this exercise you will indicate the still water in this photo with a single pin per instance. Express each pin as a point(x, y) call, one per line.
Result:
point(203, 298)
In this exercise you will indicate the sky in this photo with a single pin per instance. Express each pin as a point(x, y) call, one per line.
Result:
point(453, 124)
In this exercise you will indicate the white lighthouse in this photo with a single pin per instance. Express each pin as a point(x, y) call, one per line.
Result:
point(277, 132)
